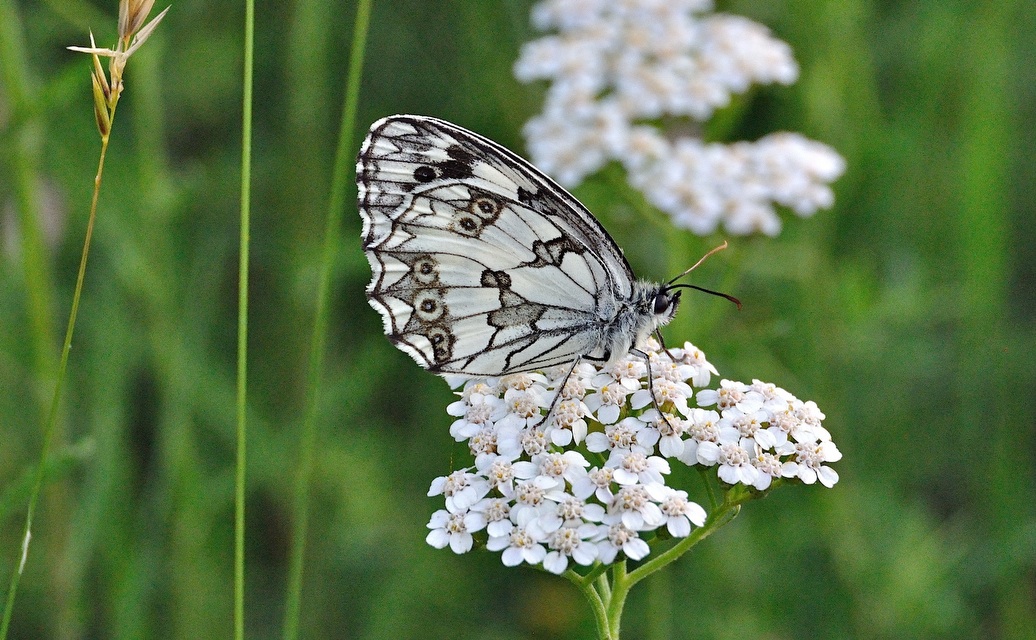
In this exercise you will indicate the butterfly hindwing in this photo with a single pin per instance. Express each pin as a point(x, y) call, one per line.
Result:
point(481, 264)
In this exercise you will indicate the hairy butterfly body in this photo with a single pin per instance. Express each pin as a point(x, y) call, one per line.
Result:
point(484, 266)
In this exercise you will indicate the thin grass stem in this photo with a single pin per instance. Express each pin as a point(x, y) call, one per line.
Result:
point(332, 233)
point(52, 414)
point(242, 325)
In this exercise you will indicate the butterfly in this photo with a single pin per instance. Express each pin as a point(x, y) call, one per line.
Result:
point(483, 266)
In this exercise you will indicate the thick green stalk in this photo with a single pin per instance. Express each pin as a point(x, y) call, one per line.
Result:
point(596, 593)
point(620, 588)
point(717, 518)
point(606, 591)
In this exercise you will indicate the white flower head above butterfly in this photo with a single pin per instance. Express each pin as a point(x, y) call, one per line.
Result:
point(483, 266)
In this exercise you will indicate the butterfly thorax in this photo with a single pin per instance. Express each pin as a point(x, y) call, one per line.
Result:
point(650, 306)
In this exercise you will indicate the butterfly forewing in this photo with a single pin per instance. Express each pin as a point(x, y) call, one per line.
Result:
point(481, 264)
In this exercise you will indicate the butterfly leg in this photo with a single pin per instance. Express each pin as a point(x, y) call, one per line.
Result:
point(661, 342)
point(560, 388)
point(651, 379)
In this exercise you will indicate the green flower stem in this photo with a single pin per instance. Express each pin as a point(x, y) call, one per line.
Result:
point(620, 588)
point(717, 518)
point(594, 598)
point(604, 587)
point(596, 572)
point(703, 473)
point(606, 591)
point(344, 163)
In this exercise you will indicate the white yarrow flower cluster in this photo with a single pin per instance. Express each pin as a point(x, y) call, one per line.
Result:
point(591, 482)
point(616, 65)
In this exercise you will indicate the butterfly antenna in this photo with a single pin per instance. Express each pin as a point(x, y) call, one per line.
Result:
point(704, 290)
point(670, 285)
point(696, 264)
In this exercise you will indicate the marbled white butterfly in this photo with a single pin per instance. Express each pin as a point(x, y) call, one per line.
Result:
point(483, 266)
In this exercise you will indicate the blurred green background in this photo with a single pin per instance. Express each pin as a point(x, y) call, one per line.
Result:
point(906, 312)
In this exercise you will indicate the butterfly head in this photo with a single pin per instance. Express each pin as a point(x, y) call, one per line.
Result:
point(664, 304)
point(652, 305)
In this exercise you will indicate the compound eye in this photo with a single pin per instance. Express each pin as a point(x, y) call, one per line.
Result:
point(661, 302)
